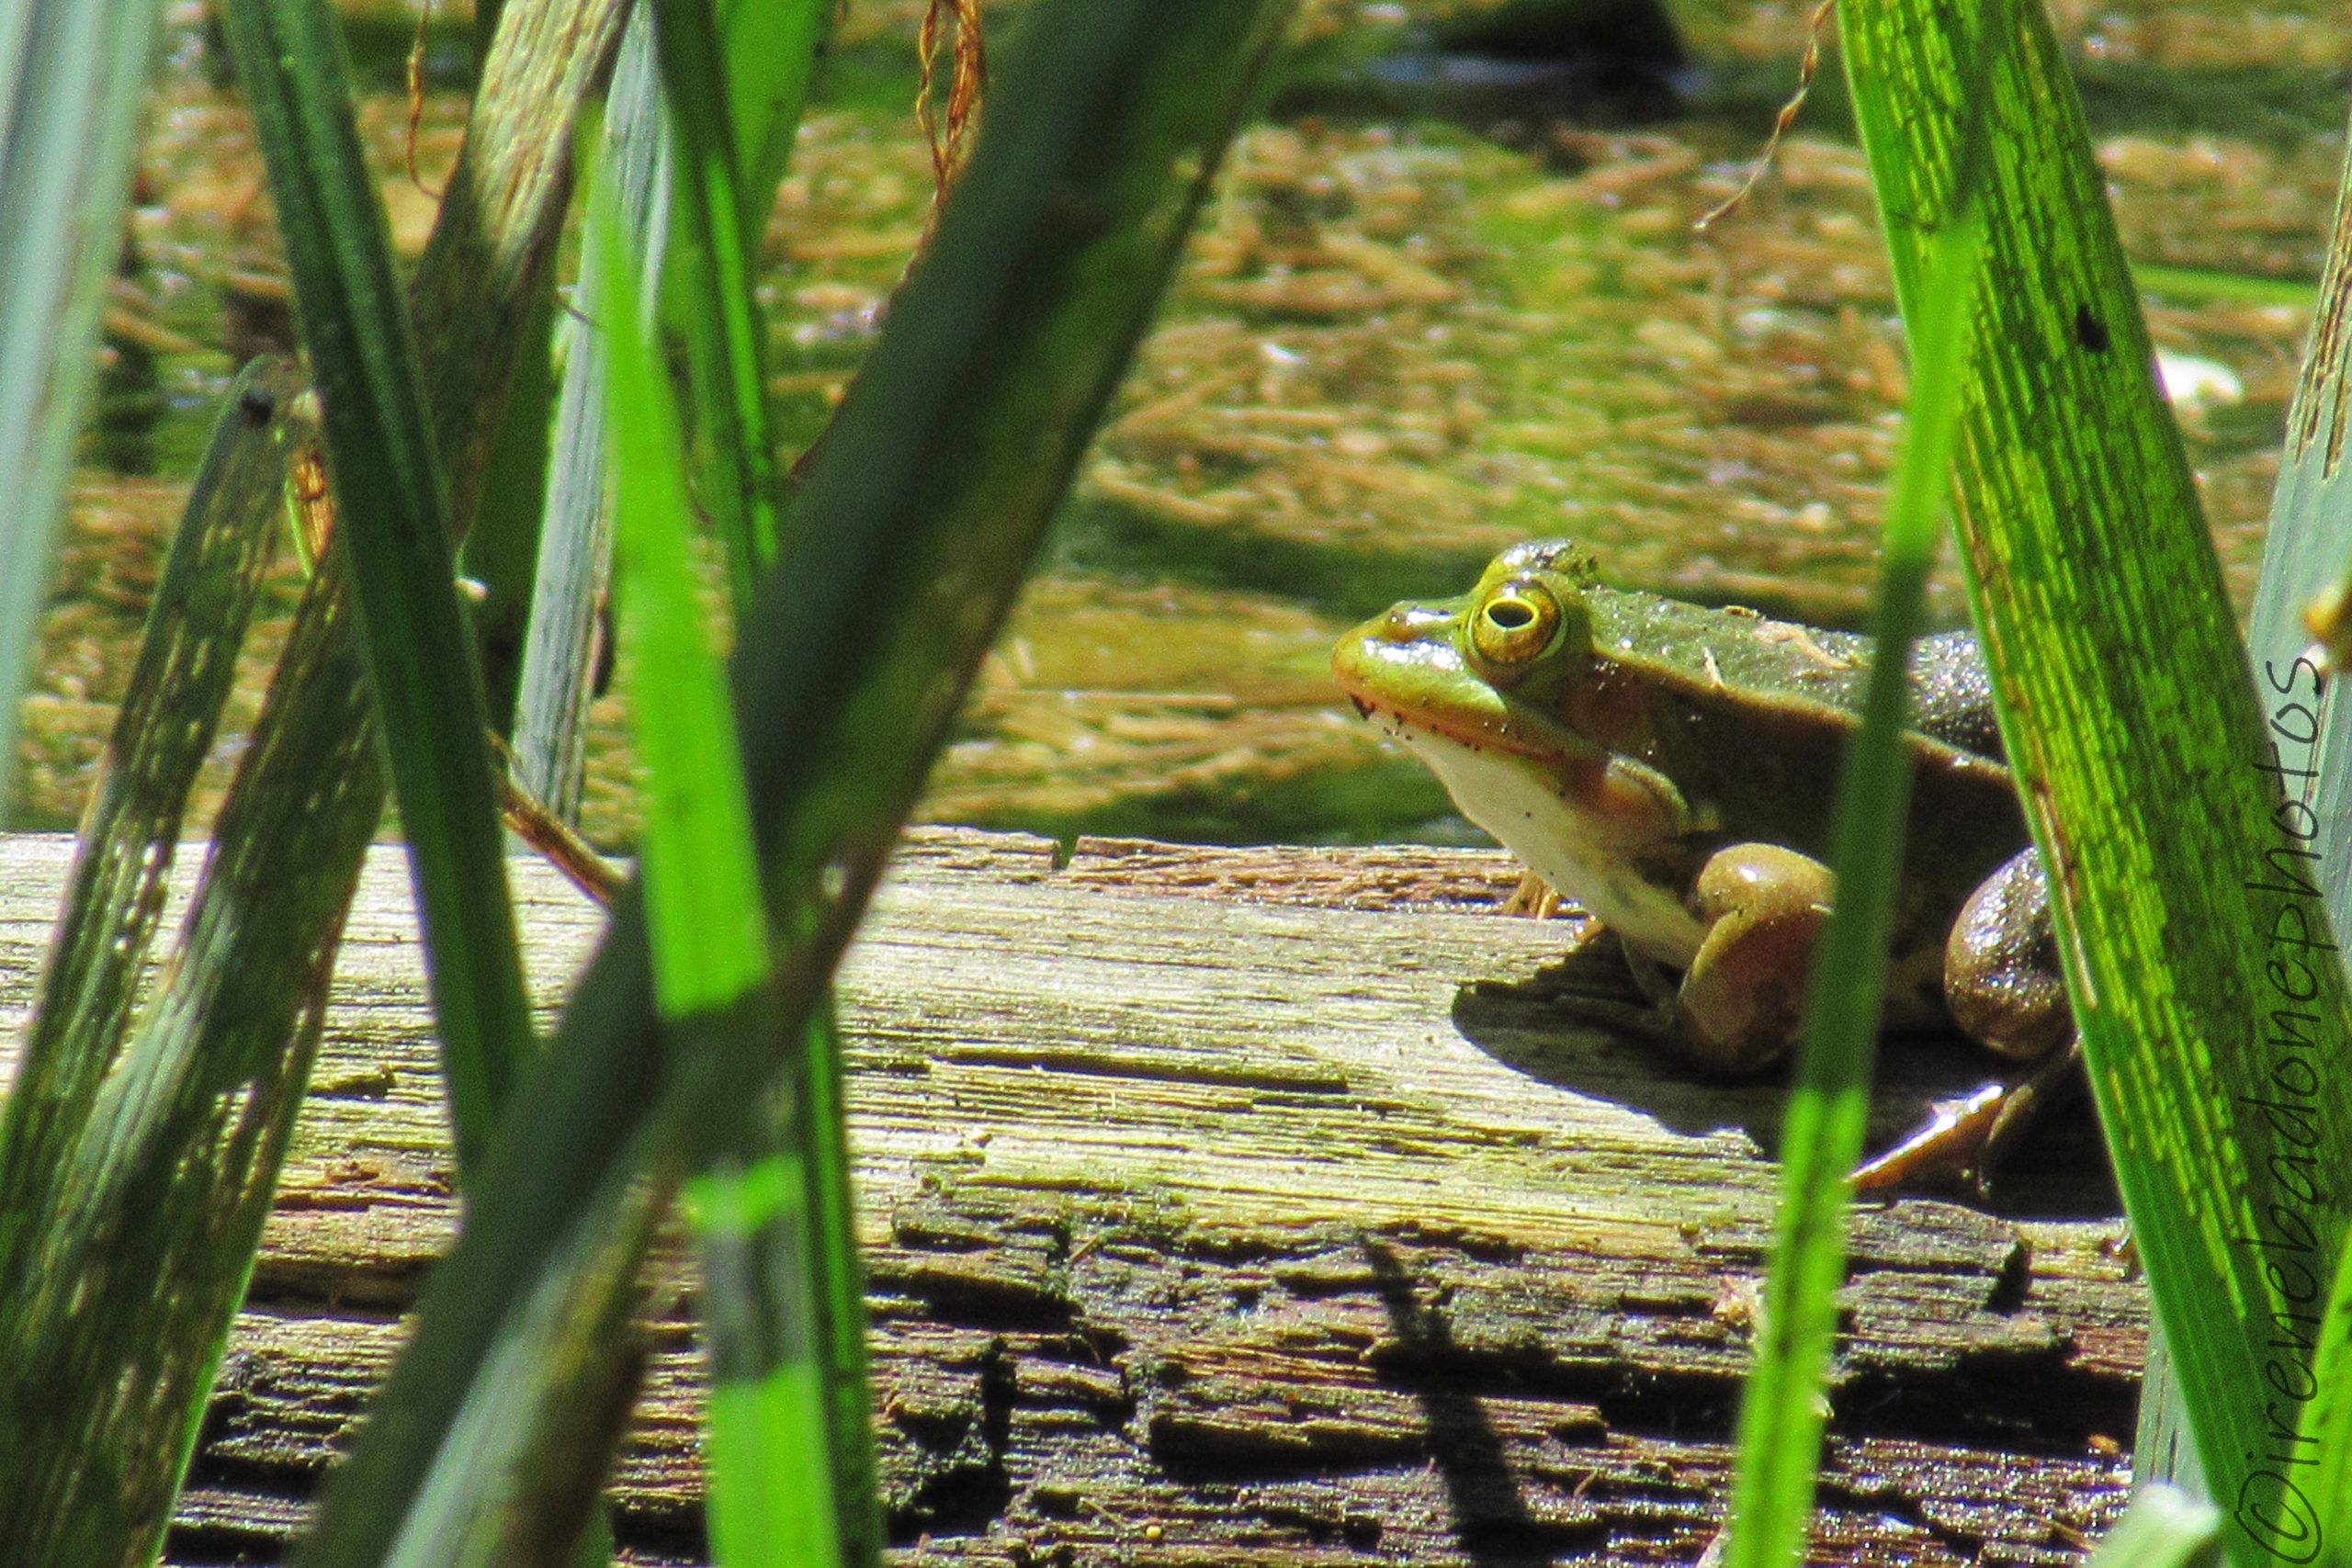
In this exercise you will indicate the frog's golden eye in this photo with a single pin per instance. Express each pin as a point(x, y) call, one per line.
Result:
point(1515, 623)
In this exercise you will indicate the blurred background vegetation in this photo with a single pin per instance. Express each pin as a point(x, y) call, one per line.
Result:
point(1427, 317)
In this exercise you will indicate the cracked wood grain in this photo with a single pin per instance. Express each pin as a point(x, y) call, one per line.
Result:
point(1225, 1206)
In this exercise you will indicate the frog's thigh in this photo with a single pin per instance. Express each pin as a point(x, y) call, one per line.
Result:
point(2001, 977)
point(1743, 997)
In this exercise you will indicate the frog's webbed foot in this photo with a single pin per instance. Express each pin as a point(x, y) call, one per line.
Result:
point(1965, 1140)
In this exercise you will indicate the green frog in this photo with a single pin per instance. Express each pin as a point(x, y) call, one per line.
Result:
point(1672, 768)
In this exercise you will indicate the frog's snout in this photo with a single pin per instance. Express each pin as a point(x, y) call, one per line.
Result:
point(1407, 623)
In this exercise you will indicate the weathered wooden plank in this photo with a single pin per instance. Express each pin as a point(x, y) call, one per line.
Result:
point(1241, 1205)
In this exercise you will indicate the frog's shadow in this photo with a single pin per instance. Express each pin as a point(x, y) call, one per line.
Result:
point(1545, 1027)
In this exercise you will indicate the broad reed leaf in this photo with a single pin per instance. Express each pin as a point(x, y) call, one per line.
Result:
point(2189, 914)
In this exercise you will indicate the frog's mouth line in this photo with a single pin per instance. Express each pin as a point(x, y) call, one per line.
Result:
point(1393, 723)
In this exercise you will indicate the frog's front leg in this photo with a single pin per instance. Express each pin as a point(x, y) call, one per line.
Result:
point(1742, 998)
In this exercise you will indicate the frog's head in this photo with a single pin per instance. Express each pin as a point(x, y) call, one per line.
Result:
point(1493, 690)
point(1490, 669)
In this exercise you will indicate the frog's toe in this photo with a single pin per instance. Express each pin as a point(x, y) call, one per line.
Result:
point(1963, 1140)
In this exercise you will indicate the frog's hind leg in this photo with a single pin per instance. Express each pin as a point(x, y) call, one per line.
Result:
point(2001, 976)
point(2002, 985)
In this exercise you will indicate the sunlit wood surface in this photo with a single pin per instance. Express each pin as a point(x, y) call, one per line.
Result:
point(1229, 1206)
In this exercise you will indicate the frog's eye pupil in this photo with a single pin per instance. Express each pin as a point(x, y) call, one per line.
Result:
point(1515, 624)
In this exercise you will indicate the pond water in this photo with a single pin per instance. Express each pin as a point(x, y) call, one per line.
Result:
point(1400, 342)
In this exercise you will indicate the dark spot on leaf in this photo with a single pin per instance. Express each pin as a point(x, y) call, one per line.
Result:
point(256, 407)
point(2090, 330)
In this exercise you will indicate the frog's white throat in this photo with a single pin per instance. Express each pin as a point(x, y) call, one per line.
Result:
point(1515, 800)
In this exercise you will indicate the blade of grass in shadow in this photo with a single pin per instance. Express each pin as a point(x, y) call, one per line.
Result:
point(392, 535)
point(2181, 883)
point(94, 1475)
point(771, 53)
point(501, 550)
point(901, 552)
point(839, 1273)
point(1781, 1410)
point(172, 1177)
point(131, 827)
point(768, 1435)
point(71, 74)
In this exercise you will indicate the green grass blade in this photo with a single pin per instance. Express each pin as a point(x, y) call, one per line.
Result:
point(2206, 283)
point(839, 1273)
point(699, 871)
point(502, 549)
point(2142, 748)
point(1782, 1412)
point(770, 55)
point(740, 141)
point(2311, 518)
point(71, 74)
point(905, 547)
point(394, 538)
point(772, 1502)
point(769, 1430)
point(170, 1178)
point(573, 569)
point(713, 305)
point(771, 59)
point(61, 1429)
